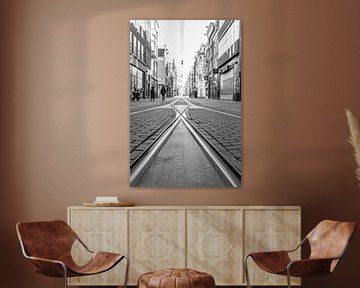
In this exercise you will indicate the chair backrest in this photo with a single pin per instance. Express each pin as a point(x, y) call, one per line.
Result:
point(46, 239)
point(329, 239)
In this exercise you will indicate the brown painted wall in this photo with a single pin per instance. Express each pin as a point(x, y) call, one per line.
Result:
point(65, 125)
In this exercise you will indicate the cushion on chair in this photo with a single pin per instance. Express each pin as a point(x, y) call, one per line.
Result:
point(176, 278)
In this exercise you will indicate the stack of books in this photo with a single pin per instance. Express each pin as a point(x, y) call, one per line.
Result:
point(106, 199)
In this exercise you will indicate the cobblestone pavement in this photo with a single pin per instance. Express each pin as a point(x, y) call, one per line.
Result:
point(146, 126)
point(223, 131)
point(231, 107)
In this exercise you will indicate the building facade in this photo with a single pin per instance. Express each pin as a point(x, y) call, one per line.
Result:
point(154, 55)
point(161, 66)
point(228, 60)
point(144, 51)
point(171, 76)
point(212, 85)
point(191, 82)
point(200, 73)
point(140, 56)
point(216, 73)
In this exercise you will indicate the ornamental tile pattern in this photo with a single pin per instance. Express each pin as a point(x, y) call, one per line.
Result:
point(213, 246)
point(156, 246)
point(156, 241)
point(269, 241)
point(214, 243)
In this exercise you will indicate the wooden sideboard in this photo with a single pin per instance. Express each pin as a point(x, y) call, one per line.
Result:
point(212, 239)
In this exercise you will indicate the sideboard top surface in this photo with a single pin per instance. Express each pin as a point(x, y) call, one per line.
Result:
point(193, 207)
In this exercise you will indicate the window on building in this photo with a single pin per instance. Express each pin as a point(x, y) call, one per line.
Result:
point(138, 48)
point(223, 44)
point(231, 36)
point(131, 43)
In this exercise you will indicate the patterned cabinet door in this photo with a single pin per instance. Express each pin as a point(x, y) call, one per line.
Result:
point(156, 240)
point(101, 230)
point(214, 244)
point(270, 230)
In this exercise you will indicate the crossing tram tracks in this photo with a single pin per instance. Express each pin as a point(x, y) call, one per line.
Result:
point(229, 174)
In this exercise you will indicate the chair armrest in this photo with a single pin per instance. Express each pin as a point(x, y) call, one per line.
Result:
point(45, 260)
point(298, 246)
point(48, 267)
point(309, 267)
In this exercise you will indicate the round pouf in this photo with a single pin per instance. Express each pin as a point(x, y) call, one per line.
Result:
point(176, 278)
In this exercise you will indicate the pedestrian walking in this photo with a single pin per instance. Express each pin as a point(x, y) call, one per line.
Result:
point(152, 94)
point(135, 94)
point(163, 92)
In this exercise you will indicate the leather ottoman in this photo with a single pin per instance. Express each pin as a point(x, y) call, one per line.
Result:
point(176, 278)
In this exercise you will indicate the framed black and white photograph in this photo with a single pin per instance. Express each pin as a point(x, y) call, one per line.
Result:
point(185, 103)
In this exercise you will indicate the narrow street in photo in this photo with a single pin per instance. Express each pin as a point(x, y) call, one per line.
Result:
point(185, 103)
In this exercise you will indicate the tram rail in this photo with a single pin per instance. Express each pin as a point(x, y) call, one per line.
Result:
point(224, 168)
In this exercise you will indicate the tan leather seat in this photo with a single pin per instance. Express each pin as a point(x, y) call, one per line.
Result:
point(48, 245)
point(328, 242)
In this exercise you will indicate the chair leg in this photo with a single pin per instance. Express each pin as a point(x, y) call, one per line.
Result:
point(288, 278)
point(246, 270)
point(65, 275)
point(127, 271)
